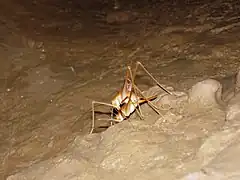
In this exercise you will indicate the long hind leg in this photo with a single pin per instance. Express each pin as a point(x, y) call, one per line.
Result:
point(154, 79)
point(150, 75)
point(134, 91)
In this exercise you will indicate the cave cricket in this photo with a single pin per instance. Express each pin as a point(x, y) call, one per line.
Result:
point(128, 99)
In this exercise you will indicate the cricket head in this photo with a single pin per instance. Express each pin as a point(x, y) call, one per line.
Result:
point(120, 117)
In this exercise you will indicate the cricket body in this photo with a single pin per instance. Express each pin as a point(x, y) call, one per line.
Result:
point(128, 108)
point(123, 95)
point(128, 99)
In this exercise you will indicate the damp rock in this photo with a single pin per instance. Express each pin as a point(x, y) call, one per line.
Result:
point(120, 152)
point(169, 117)
point(215, 144)
point(120, 17)
point(206, 93)
point(228, 87)
point(226, 165)
point(231, 86)
point(156, 146)
point(164, 100)
point(218, 157)
point(174, 100)
point(233, 108)
point(237, 88)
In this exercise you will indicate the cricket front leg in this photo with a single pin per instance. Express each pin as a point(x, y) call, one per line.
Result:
point(93, 113)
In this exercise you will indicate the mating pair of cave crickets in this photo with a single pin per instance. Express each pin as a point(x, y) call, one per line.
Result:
point(128, 99)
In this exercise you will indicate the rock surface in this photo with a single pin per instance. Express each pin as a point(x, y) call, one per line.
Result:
point(189, 141)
